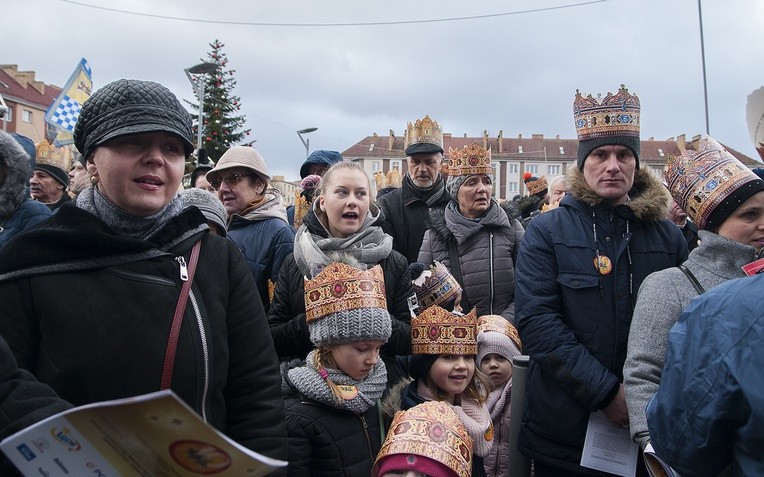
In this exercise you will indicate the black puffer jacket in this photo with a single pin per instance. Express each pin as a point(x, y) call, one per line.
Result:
point(287, 314)
point(328, 442)
point(110, 343)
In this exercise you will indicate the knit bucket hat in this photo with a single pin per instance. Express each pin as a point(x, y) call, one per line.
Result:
point(131, 107)
point(239, 156)
point(344, 304)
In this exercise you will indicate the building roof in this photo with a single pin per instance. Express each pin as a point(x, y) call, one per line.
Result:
point(21, 86)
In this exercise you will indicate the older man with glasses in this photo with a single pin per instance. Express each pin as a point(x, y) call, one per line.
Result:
point(257, 220)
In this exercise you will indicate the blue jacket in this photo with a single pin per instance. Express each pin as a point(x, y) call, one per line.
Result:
point(28, 214)
point(573, 321)
point(709, 410)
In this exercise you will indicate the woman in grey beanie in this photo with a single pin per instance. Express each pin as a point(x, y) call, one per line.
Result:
point(129, 249)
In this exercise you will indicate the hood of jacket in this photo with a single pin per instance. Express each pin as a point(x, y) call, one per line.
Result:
point(272, 207)
point(499, 215)
point(648, 198)
point(17, 172)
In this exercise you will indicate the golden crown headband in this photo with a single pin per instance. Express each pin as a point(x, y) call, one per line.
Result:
point(470, 160)
point(340, 287)
point(615, 115)
point(438, 331)
point(499, 324)
point(539, 185)
point(424, 130)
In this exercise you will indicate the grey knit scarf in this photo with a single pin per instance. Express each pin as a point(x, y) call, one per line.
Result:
point(429, 195)
point(370, 245)
point(309, 382)
point(91, 200)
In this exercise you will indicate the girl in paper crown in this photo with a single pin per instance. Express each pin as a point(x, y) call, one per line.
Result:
point(498, 342)
point(330, 399)
point(443, 365)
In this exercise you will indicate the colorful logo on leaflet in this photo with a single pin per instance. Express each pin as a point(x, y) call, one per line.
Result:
point(64, 437)
point(200, 457)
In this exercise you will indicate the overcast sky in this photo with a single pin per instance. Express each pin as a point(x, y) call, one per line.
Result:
point(510, 71)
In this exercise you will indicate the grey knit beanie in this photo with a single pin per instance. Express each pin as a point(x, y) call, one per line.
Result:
point(454, 182)
point(346, 305)
point(126, 107)
point(497, 335)
point(208, 204)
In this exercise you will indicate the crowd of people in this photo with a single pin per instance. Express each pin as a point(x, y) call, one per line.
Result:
point(354, 337)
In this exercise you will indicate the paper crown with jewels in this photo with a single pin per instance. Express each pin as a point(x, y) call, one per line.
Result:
point(436, 286)
point(537, 185)
point(424, 136)
point(431, 430)
point(438, 331)
point(614, 115)
point(344, 305)
point(55, 161)
point(708, 182)
point(469, 160)
point(499, 324)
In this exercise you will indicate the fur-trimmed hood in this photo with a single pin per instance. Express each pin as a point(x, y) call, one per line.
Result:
point(18, 170)
point(649, 199)
point(391, 403)
point(437, 218)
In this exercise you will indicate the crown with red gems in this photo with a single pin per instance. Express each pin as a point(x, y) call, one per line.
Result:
point(438, 331)
point(469, 160)
point(708, 182)
point(614, 115)
point(340, 287)
point(425, 135)
point(431, 430)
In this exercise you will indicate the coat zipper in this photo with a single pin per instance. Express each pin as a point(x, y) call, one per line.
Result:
point(183, 268)
point(490, 261)
point(368, 439)
point(205, 353)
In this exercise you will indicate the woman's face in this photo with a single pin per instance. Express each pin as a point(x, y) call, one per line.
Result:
point(497, 368)
point(345, 200)
point(746, 223)
point(452, 373)
point(474, 195)
point(140, 173)
point(356, 359)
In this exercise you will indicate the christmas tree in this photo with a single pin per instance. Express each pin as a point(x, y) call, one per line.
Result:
point(222, 126)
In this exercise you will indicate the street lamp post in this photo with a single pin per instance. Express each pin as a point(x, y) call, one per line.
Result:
point(198, 84)
point(305, 142)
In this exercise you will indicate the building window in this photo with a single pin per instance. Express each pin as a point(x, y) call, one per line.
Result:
point(513, 168)
point(26, 115)
point(395, 165)
point(532, 168)
point(9, 115)
point(554, 170)
point(512, 187)
point(376, 166)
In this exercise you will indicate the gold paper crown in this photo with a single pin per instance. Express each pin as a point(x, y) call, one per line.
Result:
point(437, 331)
point(539, 185)
point(499, 324)
point(615, 115)
point(701, 180)
point(301, 208)
point(433, 430)
point(340, 287)
point(438, 288)
point(424, 131)
point(53, 156)
point(394, 178)
point(469, 160)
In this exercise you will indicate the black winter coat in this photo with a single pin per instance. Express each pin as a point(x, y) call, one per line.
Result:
point(406, 218)
point(88, 312)
point(328, 442)
point(286, 316)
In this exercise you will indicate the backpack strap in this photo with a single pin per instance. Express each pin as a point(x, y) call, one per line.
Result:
point(456, 271)
point(693, 280)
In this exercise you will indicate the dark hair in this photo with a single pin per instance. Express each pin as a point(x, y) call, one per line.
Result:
point(199, 171)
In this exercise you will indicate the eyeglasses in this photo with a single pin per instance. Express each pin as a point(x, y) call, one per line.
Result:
point(231, 180)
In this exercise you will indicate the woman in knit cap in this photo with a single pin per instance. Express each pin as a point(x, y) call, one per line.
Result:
point(343, 223)
point(330, 398)
point(726, 201)
point(498, 343)
point(474, 237)
point(129, 249)
point(428, 440)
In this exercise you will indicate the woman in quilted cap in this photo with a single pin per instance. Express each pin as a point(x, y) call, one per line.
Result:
point(331, 397)
point(474, 237)
point(726, 201)
point(343, 223)
point(146, 320)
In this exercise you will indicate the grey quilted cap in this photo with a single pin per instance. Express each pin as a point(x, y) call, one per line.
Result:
point(130, 107)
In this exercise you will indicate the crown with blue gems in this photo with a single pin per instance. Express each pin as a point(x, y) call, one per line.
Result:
point(614, 115)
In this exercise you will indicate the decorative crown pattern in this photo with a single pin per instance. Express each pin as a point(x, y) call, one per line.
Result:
point(438, 331)
point(469, 160)
point(424, 130)
point(539, 185)
point(53, 156)
point(433, 430)
point(499, 324)
point(437, 288)
point(340, 287)
point(700, 180)
point(615, 115)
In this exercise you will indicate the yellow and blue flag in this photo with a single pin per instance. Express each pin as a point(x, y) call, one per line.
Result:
point(65, 110)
